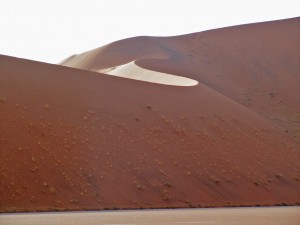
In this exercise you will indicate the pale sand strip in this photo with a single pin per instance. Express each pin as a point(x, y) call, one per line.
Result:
point(219, 216)
point(133, 71)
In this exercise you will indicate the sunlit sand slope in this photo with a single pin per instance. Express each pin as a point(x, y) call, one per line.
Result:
point(132, 71)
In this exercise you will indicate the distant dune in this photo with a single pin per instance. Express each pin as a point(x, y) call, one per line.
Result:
point(80, 139)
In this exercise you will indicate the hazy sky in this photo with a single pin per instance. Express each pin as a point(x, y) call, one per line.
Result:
point(51, 30)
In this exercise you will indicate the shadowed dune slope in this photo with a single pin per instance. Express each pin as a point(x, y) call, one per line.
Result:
point(76, 140)
point(256, 65)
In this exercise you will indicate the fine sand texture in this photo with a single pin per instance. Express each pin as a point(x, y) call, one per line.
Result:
point(222, 216)
point(79, 139)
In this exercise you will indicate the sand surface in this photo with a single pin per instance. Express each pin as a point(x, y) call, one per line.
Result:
point(256, 65)
point(77, 139)
point(132, 71)
point(231, 216)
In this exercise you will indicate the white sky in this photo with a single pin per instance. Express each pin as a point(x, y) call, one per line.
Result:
point(51, 30)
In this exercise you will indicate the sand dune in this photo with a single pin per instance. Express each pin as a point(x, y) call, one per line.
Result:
point(132, 71)
point(73, 139)
point(256, 65)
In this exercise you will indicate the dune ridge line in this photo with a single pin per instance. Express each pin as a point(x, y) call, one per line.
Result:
point(132, 71)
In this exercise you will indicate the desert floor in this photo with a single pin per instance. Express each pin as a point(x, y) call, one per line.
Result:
point(220, 216)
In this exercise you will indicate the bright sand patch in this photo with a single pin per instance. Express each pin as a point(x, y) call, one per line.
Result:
point(133, 71)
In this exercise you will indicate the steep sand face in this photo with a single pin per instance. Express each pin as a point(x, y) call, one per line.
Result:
point(132, 71)
point(73, 140)
point(256, 65)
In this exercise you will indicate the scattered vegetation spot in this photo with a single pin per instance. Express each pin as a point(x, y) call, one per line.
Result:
point(3, 100)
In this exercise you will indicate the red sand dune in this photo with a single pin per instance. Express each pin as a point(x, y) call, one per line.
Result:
point(74, 139)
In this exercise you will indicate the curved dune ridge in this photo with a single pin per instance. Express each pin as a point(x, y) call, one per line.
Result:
point(132, 71)
point(78, 139)
point(261, 71)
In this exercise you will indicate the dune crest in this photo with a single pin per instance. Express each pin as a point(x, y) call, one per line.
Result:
point(132, 71)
